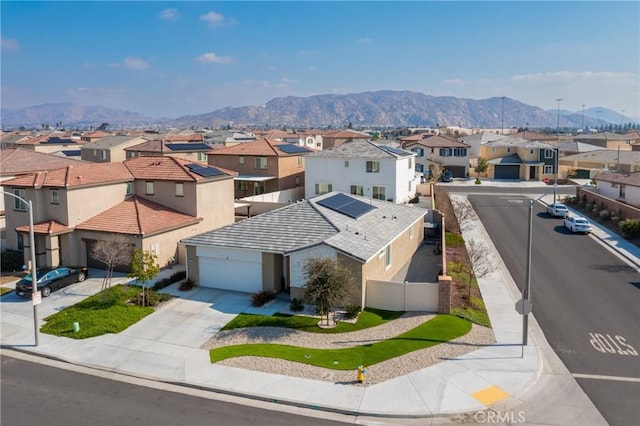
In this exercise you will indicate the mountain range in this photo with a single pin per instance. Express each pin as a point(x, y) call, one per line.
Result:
point(369, 109)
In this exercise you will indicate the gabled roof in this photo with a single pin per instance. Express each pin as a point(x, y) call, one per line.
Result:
point(16, 161)
point(607, 136)
point(361, 149)
point(482, 138)
point(533, 136)
point(631, 179)
point(346, 134)
point(79, 174)
point(518, 143)
point(108, 142)
point(578, 146)
point(262, 147)
point(435, 141)
point(509, 159)
point(308, 223)
point(169, 168)
point(50, 227)
point(137, 216)
point(604, 156)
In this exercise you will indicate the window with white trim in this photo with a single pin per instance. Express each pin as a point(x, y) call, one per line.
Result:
point(19, 204)
point(323, 188)
point(299, 160)
point(179, 189)
point(379, 192)
point(202, 156)
point(261, 163)
point(373, 167)
point(622, 191)
point(103, 154)
point(548, 170)
point(149, 188)
point(129, 188)
point(356, 190)
point(387, 256)
point(55, 196)
point(548, 153)
point(241, 160)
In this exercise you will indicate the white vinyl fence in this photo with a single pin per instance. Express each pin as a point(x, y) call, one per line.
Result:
point(395, 296)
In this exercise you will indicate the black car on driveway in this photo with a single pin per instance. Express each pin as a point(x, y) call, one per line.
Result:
point(52, 279)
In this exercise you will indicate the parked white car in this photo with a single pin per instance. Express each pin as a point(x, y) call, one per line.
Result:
point(558, 210)
point(577, 224)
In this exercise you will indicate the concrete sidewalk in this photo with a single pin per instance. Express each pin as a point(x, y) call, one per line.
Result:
point(504, 381)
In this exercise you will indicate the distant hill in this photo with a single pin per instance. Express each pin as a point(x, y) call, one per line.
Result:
point(593, 116)
point(381, 108)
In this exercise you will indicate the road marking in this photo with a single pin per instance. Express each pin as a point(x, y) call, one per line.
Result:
point(607, 344)
point(600, 377)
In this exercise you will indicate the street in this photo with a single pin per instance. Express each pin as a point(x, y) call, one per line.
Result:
point(37, 394)
point(584, 298)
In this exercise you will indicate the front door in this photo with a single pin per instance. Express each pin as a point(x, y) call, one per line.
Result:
point(532, 173)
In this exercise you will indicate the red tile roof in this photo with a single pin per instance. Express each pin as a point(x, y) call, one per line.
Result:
point(166, 168)
point(194, 137)
point(82, 174)
point(262, 147)
point(345, 134)
point(137, 216)
point(16, 161)
point(50, 228)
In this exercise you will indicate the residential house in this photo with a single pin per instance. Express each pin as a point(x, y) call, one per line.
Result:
point(519, 159)
point(622, 187)
point(109, 149)
point(535, 136)
point(476, 141)
point(154, 201)
point(362, 168)
point(190, 151)
point(94, 136)
point(373, 238)
point(309, 138)
point(447, 153)
point(338, 137)
point(52, 143)
point(263, 165)
point(588, 165)
point(608, 140)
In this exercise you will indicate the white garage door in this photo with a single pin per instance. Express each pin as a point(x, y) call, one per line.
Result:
point(237, 271)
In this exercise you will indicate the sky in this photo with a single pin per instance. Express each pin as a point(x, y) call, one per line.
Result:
point(170, 59)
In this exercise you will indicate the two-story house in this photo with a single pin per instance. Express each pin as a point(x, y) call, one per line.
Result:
point(190, 151)
point(109, 149)
point(263, 165)
point(520, 159)
point(362, 168)
point(338, 137)
point(154, 201)
point(448, 153)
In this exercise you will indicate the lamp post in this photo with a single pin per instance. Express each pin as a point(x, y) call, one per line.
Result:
point(526, 295)
point(583, 105)
point(34, 274)
point(555, 167)
point(502, 115)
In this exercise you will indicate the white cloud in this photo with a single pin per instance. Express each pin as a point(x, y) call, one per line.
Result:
point(212, 58)
point(9, 44)
point(216, 19)
point(169, 14)
point(131, 63)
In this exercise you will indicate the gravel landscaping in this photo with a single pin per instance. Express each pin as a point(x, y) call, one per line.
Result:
point(478, 336)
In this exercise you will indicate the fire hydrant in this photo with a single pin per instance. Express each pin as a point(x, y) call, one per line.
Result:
point(361, 372)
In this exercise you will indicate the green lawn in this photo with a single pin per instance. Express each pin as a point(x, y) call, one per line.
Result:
point(438, 330)
point(102, 313)
point(367, 318)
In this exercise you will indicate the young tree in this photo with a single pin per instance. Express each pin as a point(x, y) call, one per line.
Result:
point(481, 263)
point(328, 284)
point(113, 250)
point(481, 166)
point(143, 268)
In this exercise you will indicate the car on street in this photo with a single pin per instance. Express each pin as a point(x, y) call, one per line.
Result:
point(52, 279)
point(557, 210)
point(577, 224)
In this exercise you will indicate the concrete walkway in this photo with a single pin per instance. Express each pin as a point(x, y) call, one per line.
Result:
point(504, 381)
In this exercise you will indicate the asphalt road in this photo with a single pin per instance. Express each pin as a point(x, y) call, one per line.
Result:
point(586, 300)
point(37, 394)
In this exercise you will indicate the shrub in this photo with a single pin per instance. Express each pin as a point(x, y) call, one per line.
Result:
point(260, 298)
point(12, 260)
point(352, 310)
point(453, 240)
point(605, 215)
point(630, 227)
point(478, 182)
point(296, 305)
point(162, 284)
point(178, 276)
point(187, 285)
point(151, 298)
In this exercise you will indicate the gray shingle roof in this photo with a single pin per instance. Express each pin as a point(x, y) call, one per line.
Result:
point(357, 149)
point(509, 159)
point(307, 223)
point(519, 143)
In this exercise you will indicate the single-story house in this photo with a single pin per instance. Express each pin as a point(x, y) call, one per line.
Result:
point(374, 238)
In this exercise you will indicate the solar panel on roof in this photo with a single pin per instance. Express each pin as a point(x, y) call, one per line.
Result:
point(204, 171)
point(187, 146)
point(393, 150)
point(346, 205)
point(292, 149)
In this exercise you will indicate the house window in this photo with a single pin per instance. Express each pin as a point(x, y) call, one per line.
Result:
point(548, 170)
point(445, 152)
point(411, 233)
point(202, 156)
point(460, 152)
point(379, 193)
point(241, 160)
point(103, 154)
point(548, 153)
point(95, 152)
point(20, 241)
point(261, 163)
point(387, 256)
point(179, 189)
point(356, 190)
point(258, 188)
point(19, 204)
point(419, 151)
point(622, 191)
point(419, 167)
point(149, 188)
point(323, 188)
point(373, 166)
point(346, 163)
point(531, 152)
point(242, 185)
point(299, 160)
point(129, 188)
point(55, 196)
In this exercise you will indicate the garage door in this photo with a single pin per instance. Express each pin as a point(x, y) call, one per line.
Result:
point(507, 172)
point(237, 271)
point(458, 171)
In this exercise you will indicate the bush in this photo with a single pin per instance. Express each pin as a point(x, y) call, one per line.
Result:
point(453, 240)
point(187, 285)
point(178, 276)
point(260, 298)
point(477, 182)
point(630, 227)
point(352, 310)
point(604, 215)
point(296, 305)
point(151, 298)
point(162, 284)
point(12, 260)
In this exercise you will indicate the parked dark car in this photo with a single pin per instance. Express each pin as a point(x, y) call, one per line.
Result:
point(52, 279)
point(447, 176)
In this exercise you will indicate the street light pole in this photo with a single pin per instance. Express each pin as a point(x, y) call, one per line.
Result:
point(502, 129)
point(583, 105)
point(34, 274)
point(555, 168)
point(527, 289)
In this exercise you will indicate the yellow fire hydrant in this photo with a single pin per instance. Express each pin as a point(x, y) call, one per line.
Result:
point(361, 372)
